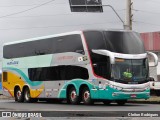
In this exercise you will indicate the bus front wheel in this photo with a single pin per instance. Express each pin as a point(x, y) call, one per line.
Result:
point(72, 96)
point(18, 95)
point(86, 96)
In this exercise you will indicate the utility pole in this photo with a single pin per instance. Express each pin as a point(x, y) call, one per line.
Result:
point(129, 15)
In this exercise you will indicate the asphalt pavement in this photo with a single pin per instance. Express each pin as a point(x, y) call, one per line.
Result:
point(80, 111)
point(44, 106)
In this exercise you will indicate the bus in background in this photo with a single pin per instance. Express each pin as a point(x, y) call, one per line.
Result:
point(0, 82)
point(80, 66)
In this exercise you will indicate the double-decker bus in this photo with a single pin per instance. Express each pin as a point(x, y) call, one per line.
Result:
point(80, 66)
point(0, 82)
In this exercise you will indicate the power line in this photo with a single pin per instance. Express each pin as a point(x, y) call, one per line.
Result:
point(154, 1)
point(26, 5)
point(58, 26)
point(137, 10)
point(54, 15)
point(27, 9)
point(146, 23)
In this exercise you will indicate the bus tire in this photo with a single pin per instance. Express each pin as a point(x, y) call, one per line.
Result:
point(86, 96)
point(18, 95)
point(121, 102)
point(72, 96)
point(27, 96)
point(107, 102)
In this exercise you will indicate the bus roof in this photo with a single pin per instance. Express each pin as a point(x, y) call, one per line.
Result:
point(43, 37)
point(62, 34)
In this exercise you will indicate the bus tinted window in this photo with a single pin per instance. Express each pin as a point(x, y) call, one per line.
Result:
point(124, 42)
point(115, 41)
point(101, 65)
point(95, 40)
point(5, 77)
point(57, 73)
point(69, 43)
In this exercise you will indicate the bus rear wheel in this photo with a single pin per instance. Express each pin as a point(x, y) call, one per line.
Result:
point(72, 96)
point(121, 102)
point(18, 95)
point(27, 96)
point(86, 96)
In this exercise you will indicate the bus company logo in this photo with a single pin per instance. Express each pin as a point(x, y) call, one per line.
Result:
point(21, 114)
point(13, 63)
point(6, 114)
point(65, 58)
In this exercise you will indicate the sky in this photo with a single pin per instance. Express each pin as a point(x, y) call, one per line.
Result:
point(56, 17)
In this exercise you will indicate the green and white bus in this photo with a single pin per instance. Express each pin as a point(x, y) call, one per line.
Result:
point(80, 66)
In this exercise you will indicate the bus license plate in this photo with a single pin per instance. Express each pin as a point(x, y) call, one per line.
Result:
point(133, 96)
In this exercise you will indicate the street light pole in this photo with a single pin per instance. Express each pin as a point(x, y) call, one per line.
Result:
point(115, 13)
point(100, 6)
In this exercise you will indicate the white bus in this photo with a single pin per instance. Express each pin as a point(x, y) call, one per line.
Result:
point(0, 82)
point(80, 66)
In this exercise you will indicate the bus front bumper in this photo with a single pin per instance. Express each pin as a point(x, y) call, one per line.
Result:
point(133, 95)
point(119, 95)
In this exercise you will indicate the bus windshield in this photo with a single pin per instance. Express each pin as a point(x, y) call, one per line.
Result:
point(130, 71)
point(115, 41)
point(124, 42)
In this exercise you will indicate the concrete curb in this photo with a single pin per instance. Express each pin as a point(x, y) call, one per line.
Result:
point(145, 102)
point(151, 100)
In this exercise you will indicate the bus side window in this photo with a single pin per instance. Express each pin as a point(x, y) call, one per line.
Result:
point(101, 65)
point(70, 43)
point(57, 73)
point(5, 77)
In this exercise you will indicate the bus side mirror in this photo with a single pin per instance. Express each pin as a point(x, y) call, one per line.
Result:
point(155, 57)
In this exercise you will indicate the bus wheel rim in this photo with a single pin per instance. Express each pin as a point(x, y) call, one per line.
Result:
point(18, 94)
point(86, 95)
point(73, 95)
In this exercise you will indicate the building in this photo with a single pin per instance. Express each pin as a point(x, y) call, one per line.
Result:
point(152, 43)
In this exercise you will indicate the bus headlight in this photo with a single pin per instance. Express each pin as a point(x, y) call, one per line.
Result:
point(147, 88)
point(114, 94)
point(118, 88)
